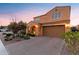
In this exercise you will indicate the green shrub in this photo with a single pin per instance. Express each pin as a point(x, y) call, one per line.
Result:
point(21, 36)
point(8, 34)
point(72, 41)
point(31, 34)
point(8, 37)
point(24, 36)
point(27, 37)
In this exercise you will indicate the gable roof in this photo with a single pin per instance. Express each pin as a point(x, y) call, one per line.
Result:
point(53, 9)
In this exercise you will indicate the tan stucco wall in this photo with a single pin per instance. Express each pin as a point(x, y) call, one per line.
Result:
point(48, 17)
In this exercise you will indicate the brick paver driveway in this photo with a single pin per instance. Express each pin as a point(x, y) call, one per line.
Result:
point(36, 46)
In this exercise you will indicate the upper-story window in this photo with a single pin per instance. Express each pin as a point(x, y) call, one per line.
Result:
point(36, 19)
point(56, 16)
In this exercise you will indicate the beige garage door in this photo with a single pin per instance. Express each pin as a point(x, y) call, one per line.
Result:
point(53, 31)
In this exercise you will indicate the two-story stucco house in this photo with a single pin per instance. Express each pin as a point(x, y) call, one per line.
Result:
point(53, 24)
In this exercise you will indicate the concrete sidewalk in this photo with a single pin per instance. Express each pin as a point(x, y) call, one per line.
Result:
point(3, 51)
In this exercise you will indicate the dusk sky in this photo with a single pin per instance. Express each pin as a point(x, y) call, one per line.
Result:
point(26, 12)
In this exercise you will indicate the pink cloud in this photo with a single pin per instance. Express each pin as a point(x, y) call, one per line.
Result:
point(27, 16)
point(74, 16)
point(4, 21)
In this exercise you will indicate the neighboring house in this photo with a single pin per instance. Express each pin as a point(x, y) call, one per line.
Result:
point(53, 24)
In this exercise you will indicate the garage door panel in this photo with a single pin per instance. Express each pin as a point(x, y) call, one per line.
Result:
point(53, 31)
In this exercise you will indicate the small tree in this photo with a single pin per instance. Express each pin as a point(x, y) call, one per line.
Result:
point(16, 27)
point(21, 27)
point(13, 27)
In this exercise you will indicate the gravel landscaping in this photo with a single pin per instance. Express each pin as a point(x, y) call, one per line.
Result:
point(9, 42)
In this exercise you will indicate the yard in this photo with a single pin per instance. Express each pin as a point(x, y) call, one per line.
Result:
point(8, 42)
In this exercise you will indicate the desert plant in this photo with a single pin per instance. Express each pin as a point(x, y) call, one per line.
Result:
point(72, 41)
point(26, 37)
point(16, 27)
point(8, 37)
point(22, 26)
point(13, 27)
point(31, 34)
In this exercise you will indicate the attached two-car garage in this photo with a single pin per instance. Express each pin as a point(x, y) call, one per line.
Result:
point(53, 31)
